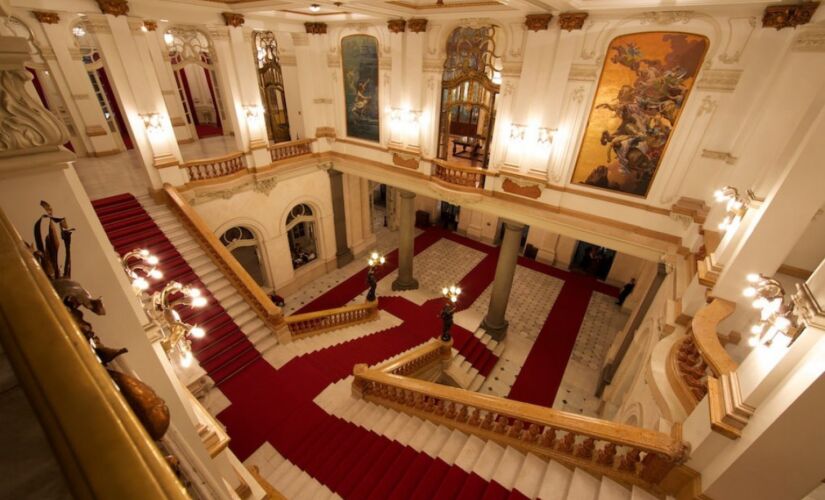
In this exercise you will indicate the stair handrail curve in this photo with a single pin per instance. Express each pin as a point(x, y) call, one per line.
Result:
point(704, 331)
point(628, 454)
point(290, 149)
point(688, 372)
point(418, 359)
point(314, 323)
point(214, 167)
point(78, 407)
point(266, 310)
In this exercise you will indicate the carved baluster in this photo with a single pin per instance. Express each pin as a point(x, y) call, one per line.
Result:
point(463, 415)
point(475, 418)
point(586, 448)
point(566, 444)
point(450, 411)
point(655, 467)
point(516, 429)
point(629, 460)
point(501, 424)
point(548, 439)
point(439, 408)
point(532, 433)
point(607, 455)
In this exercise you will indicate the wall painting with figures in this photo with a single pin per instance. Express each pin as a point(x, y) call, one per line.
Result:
point(643, 88)
point(359, 54)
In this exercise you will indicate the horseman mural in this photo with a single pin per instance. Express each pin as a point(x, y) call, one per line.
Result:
point(644, 85)
point(360, 66)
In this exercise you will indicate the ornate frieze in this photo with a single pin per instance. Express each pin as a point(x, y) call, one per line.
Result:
point(405, 161)
point(150, 25)
point(46, 17)
point(666, 17)
point(521, 188)
point(809, 41)
point(233, 19)
point(396, 25)
point(418, 25)
point(723, 80)
point(114, 7)
point(328, 132)
point(537, 22)
point(316, 28)
point(788, 16)
point(570, 21)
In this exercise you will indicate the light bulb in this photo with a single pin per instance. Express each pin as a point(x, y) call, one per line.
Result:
point(753, 278)
point(152, 260)
point(749, 292)
point(315, 7)
point(454, 298)
point(374, 255)
point(197, 332)
point(186, 359)
point(719, 195)
point(144, 253)
point(155, 274)
point(194, 292)
point(199, 302)
point(444, 291)
point(168, 38)
point(458, 291)
point(782, 322)
point(140, 284)
point(759, 303)
point(756, 329)
point(753, 341)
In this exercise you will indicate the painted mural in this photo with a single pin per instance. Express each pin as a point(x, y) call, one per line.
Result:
point(359, 54)
point(643, 88)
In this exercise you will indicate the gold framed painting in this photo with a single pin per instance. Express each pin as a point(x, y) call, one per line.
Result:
point(644, 85)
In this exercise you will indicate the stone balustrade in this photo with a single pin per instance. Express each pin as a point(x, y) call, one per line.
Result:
point(212, 168)
point(466, 178)
point(291, 149)
point(314, 323)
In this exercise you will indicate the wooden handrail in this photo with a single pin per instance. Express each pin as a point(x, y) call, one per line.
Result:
point(211, 431)
point(211, 168)
point(418, 359)
point(223, 259)
point(313, 323)
point(687, 372)
point(290, 149)
point(96, 438)
point(630, 454)
point(705, 335)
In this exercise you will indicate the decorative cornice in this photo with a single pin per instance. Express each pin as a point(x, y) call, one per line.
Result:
point(114, 7)
point(807, 309)
point(46, 17)
point(150, 25)
point(667, 17)
point(723, 80)
point(537, 22)
point(396, 25)
point(570, 21)
point(316, 28)
point(233, 19)
point(417, 25)
point(788, 16)
point(809, 41)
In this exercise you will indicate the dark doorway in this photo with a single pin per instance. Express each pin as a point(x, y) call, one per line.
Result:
point(448, 216)
point(592, 260)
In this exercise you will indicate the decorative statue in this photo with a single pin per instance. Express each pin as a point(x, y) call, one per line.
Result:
point(447, 320)
point(372, 282)
point(150, 409)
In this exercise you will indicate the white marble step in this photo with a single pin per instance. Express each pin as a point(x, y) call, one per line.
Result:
point(611, 490)
point(509, 468)
point(452, 447)
point(583, 486)
point(556, 482)
point(469, 453)
point(530, 476)
point(488, 460)
point(437, 441)
point(639, 494)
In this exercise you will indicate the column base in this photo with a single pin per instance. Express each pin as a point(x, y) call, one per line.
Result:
point(342, 259)
point(498, 332)
point(410, 284)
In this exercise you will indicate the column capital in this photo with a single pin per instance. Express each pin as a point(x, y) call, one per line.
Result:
point(537, 22)
point(418, 25)
point(150, 25)
point(334, 173)
point(233, 19)
point(570, 21)
point(46, 17)
point(316, 28)
point(396, 25)
point(114, 7)
point(511, 225)
point(788, 16)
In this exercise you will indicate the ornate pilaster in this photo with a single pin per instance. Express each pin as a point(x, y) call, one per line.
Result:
point(537, 22)
point(46, 17)
point(114, 7)
point(396, 25)
point(418, 25)
point(570, 21)
point(788, 16)
point(233, 19)
point(316, 28)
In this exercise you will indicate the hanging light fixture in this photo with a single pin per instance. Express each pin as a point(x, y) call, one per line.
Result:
point(176, 332)
point(140, 265)
point(79, 31)
point(736, 206)
point(315, 7)
point(775, 314)
point(169, 38)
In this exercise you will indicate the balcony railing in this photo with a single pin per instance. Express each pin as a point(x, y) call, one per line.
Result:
point(283, 150)
point(315, 323)
point(466, 178)
point(212, 168)
point(630, 454)
point(419, 360)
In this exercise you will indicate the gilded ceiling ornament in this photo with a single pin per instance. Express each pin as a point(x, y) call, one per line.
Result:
point(316, 28)
point(570, 21)
point(150, 25)
point(233, 19)
point(788, 16)
point(396, 25)
point(667, 17)
point(537, 22)
point(114, 7)
point(417, 25)
point(46, 17)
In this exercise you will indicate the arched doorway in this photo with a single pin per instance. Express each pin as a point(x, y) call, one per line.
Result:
point(193, 63)
point(271, 83)
point(301, 233)
point(469, 87)
point(243, 244)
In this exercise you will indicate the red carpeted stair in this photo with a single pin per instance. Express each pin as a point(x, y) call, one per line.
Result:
point(225, 350)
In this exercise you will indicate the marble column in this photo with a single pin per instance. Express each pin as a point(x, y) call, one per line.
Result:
point(406, 230)
point(495, 323)
point(343, 253)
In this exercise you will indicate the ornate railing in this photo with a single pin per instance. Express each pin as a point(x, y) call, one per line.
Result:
point(94, 435)
point(211, 168)
point(283, 150)
point(456, 175)
point(630, 454)
point(314, 323)
point(234, 272)
point(688, 373)
point(211, 432)
point(419, 359)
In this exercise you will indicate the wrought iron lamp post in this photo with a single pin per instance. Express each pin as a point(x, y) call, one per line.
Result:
point(374, 261)
point(450, 293)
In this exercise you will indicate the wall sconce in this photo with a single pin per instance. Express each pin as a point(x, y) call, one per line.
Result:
point(314, 7)
point(174, 330)
point(168, 38)
point(253, 111)
point(545, 136)
point(775, 314)
point(736, 206)
point(517, 132)
point(79, 31)
point(140, 265)
point(153, 123)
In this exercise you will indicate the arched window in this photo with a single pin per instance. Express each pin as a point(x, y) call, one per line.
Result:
point(243, 245)
point(193, 62)
point(271, 82)
point(300, 230)
point(469, 87)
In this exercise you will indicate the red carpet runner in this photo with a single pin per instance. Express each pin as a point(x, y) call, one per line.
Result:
point(225, 350)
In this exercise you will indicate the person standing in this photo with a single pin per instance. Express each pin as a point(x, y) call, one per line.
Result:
point(626, 290)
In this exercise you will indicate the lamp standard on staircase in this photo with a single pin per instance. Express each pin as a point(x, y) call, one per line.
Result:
point(450, 293)
point(374, 261)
